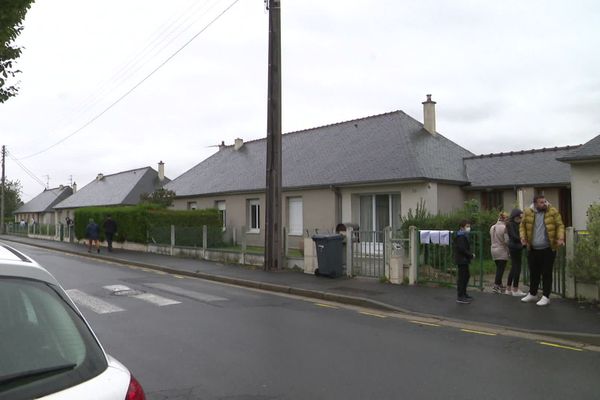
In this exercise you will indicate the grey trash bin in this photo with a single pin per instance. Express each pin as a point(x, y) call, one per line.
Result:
point(330, 255)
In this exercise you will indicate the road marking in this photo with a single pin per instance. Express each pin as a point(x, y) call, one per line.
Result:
point(148, 297)
point(424, 323)
point(95, 304)
point(560, 346)
point(178, 276)
point(326, 305)
point(479, 332)
point(372, 314)
point(186, 293)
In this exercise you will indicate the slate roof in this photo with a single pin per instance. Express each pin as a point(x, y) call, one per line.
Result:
point(587, 152)
point(123, 188)
point(382, 148)
point(519, 168)
point(45, 201)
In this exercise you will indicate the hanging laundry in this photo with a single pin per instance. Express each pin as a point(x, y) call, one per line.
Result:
point(434, 237)
point(424, 235)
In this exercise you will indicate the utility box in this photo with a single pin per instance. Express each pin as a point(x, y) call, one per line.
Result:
point(330, 255)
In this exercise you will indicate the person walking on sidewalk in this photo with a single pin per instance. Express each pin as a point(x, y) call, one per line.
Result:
point(499, 250)
point(92, 234)
point(110, 229)
point(515, 249)
point(462, 258)
point(542, 231)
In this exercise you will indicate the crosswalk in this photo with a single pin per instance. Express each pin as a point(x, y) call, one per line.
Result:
point(105, 303)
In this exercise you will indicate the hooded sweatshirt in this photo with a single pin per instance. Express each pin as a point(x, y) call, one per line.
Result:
point(512, 230)
point(499, 247)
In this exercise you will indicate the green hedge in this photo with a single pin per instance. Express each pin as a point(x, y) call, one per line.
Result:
point(134, 222)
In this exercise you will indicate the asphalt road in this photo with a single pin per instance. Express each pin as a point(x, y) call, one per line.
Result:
point(185, 338)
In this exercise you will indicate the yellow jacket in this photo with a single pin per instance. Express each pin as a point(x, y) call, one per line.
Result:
point(553, 222)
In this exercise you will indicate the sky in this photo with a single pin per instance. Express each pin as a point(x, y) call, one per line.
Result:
point(506, 76)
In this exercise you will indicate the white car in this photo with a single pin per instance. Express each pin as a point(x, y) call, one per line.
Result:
point(47, 349)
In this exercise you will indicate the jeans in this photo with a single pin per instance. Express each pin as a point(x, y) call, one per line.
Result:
point(515, 268)
point(109, 239)
point(541, 263)
point(463, 279)
point(500, 266)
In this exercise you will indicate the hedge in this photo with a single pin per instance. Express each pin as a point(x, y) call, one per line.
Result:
point(134, 222)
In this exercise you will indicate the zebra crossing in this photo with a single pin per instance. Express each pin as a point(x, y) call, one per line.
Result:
point(100, 305)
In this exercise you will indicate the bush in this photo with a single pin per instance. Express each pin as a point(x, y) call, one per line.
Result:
point(134, 222)
point(586, 265)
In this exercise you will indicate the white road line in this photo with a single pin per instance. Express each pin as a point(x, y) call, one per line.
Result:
point(95, 304)
point(186, 293)
point(148, 297)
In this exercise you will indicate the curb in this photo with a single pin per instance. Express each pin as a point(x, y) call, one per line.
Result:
point(583, 340)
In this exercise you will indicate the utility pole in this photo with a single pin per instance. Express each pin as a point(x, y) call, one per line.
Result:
point(2, 191)
point(273, 234)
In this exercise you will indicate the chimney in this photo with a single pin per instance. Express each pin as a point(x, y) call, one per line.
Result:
point(74, 187)
point(429, 115)
point(222, 145)
point(99, 176)
point(238, 144)
point(161, 171)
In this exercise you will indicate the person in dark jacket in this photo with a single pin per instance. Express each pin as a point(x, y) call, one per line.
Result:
point(92, 234)
point(515, 248)
point(462, 257)
point(110, 229)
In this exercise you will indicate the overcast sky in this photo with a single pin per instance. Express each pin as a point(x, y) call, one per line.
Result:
point(506, 76)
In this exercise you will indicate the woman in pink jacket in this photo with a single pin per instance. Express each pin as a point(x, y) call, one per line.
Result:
point(499, 250)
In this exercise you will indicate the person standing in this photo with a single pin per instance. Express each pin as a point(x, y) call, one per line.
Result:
point(499, 250)
point(515, 249)
point(542, 231)
point(110, 229)
point(462, 258)
point(92, 233)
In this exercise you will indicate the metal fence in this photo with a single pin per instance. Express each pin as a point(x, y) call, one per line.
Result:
point(435, 262)
point(368, 254)
point(559, 272)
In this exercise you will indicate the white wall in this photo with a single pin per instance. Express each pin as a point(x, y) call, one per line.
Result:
point(585, 190)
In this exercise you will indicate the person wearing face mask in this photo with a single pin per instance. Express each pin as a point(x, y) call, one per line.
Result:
point(462, 257)
point(542, 231)
point(515, 248)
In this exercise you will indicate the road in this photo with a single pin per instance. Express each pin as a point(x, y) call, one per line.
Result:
point(186, 338)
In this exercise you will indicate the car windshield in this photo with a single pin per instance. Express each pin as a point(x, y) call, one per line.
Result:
point(45, 346)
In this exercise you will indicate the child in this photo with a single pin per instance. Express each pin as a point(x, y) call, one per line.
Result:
point(463, 257)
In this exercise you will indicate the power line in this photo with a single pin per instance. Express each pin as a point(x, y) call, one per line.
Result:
point(127, 93)
point(26, 170)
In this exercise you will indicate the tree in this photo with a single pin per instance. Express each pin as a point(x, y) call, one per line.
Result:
point(12, 198)
point(586, 266)
point(12, 14)
point(160, 197)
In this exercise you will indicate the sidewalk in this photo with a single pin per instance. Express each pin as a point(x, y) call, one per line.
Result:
point(564, 318)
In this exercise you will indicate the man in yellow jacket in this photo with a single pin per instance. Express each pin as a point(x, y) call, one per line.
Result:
point(542, 231)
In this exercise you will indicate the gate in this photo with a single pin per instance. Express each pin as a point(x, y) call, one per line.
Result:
point(435, 262)
point(368, 253)
point(559, 272)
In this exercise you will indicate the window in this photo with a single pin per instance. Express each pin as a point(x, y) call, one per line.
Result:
point(254, 216)
point(220, 205)
point(378, 212)
point(192, 205)
point(295, 216)
point(493, 200)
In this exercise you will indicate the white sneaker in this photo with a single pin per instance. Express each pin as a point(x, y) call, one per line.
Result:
point(519, 293)
point(529, 298)
point(544, 301)
point(509, 292)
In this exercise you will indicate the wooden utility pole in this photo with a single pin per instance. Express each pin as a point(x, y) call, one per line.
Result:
point(2, 191)
point(273, 234)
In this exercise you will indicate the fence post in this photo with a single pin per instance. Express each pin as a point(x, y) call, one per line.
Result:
point(286, 245)
point(480, 260)
point(569, 281)
point(349, 252)
point(204, 241)
point(243, 233)
point(414, 254)
point(387, 250)
point(172, 238)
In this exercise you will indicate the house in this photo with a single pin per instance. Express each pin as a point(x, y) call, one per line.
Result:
point(120, 189)
point(507, 180)
point(584, 163)
point(41, 207)
point(367, 171)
